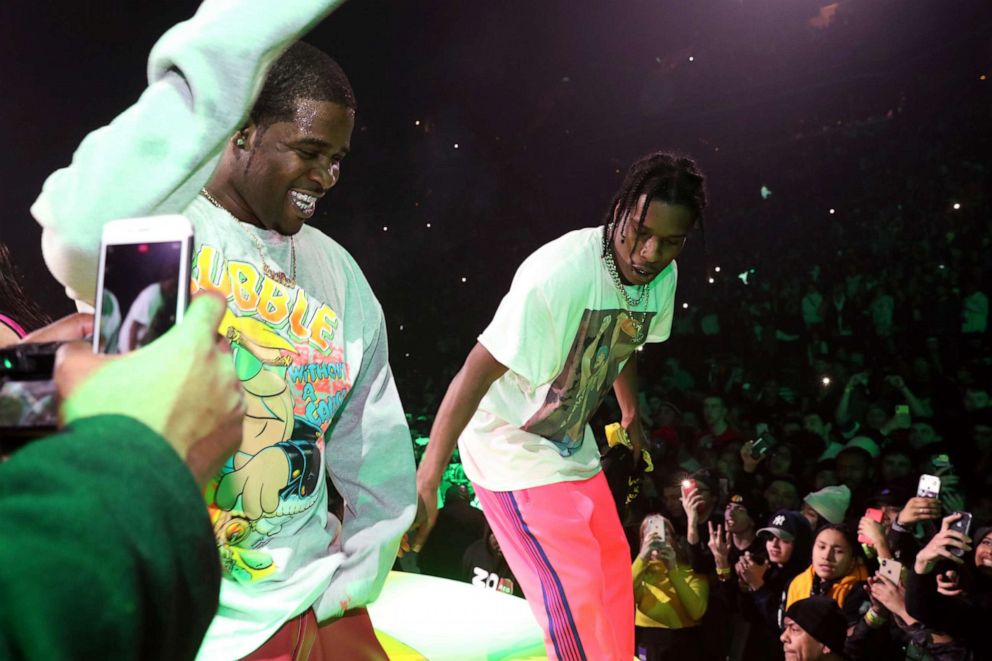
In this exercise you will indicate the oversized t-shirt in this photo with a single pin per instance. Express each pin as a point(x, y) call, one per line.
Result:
point(564, 332)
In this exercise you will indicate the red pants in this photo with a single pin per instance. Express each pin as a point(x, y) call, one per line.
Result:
point(565, 545)
point(301, 639)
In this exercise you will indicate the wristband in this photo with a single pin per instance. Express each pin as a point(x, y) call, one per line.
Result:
point(873, 619)
point(722, 572)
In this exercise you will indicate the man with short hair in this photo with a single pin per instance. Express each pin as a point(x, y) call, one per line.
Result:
point(306, 331)
point(815, 630)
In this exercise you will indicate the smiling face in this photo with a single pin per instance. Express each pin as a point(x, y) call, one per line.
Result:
point(641, 253)
point(280, 170)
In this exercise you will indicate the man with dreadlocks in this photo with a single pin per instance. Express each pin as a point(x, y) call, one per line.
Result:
point(307, 334)
point(565, 333)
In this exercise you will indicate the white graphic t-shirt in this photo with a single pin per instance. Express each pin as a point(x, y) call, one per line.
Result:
point(565, 333)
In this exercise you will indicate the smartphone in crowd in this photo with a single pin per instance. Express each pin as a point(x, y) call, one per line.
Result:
point(760, 446)
point(28, 397)
point(929, 487)
point(890, 569)
point(902, 418)
point(143, 281)
point(875, 515)
point(688, 487)
point(963, 526)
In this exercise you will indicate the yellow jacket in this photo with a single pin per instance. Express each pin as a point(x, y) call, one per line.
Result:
point(802, 585)
point(669, 599)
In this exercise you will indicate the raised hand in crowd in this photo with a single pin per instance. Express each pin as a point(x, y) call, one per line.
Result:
point(940, 546)
point(919, 509)
point(875, 534)
point(719, 544)
point(887, 596)
point(949, 583)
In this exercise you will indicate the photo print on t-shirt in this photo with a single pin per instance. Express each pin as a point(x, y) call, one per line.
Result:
point(604, 341)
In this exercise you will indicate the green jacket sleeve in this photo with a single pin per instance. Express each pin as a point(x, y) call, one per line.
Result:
point(106, 549)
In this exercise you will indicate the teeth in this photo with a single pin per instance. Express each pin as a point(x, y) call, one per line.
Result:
point(303, 201)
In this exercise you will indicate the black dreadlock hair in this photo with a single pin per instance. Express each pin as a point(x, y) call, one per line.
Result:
point(302, 72)
point(663, 176)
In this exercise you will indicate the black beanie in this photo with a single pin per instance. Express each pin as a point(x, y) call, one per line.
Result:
point(821, 618)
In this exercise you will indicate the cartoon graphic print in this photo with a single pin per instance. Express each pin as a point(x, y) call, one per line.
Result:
point(604, 341)
point(295, 378)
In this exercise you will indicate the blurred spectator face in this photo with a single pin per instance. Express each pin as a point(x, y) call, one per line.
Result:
point(690, 421)
point(781, 495)
point(813, 423)
point(708, 500)
point(876, 417)
point(921, 433)
point(853, 469)
point(779, 550)
point(714, 411)
point(825, 477)
point(896, 466)
point(811, 515)
point(983, 555)
point(737, 519)
point(671, 498)
point(833, 557)
point(799, 645)
point(666, 417)
point(975, 399)
point(780, 460)
point(889, 515)
point(729, 463)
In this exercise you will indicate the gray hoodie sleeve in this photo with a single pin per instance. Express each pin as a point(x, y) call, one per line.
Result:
point(369, 455)
point(203, 76)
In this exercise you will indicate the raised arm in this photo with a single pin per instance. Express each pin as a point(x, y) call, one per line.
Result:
point(203, 76)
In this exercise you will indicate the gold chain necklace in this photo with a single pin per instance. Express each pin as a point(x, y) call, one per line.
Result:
point(611, 267)
point(278, 276)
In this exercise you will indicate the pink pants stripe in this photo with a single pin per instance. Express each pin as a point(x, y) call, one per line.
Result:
point(567, 549)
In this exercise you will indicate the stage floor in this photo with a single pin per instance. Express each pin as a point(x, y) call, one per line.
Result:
point(422, 617)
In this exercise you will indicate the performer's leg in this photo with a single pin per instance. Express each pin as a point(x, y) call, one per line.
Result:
point(351, 637)
point(292, 642)
point(546, 534)
point(615, 560)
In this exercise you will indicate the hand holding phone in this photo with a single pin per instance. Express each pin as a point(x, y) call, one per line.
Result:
point(865, 534)
point(963, 526)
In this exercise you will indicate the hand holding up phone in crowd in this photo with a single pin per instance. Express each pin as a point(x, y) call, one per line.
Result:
point(943, 546)
point(919, 509)
point(182, 386)
point(949, 583)
point(871, 532)
point(887, 596)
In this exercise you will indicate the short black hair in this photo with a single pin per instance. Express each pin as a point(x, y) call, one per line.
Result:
point(302, 72)
point(663, 176)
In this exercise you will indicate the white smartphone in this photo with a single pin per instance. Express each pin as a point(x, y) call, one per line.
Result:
point(891, 569)
point(929, 487)
point(654, 525)
point(143, 282)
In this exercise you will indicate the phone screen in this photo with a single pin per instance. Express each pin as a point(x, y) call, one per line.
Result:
point(140, 292)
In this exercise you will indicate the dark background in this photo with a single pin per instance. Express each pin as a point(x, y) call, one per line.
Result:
point(548, 102)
